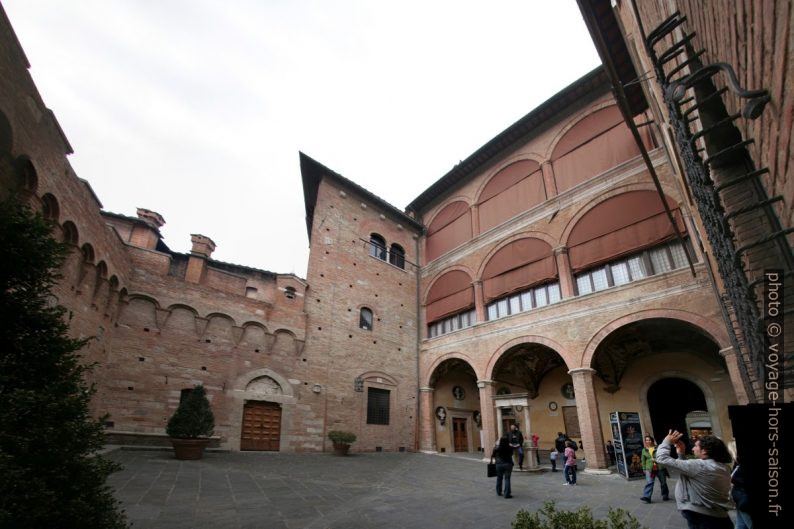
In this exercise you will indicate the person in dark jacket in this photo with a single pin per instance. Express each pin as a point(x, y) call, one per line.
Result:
point(516, 439)
point(559, 442)
point(503, 456)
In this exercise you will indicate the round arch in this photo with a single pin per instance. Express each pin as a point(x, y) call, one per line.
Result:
point(545, 237)
point(507, 162)
point(533, 339)
point(713, 331)
point(462, 268)
point(431, 369)
point(669, 192)
point(708, 394)
point(447, 202)
point(572, 123)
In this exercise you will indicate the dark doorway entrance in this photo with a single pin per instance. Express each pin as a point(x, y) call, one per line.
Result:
point(461, 440)
point(669, 400)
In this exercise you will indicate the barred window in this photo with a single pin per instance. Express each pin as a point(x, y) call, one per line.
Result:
point(377, 406)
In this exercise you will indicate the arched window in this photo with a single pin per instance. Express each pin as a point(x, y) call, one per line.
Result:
point(289, 292)
point(70, 233)
point(450, 304)
point(377, 246)
point(365, 319)
point(26, 173)
point(513, 190)
point(449, 229)
point(397, 256)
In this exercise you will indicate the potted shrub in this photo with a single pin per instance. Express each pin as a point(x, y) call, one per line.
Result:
point(191, 425)
point(342, 441)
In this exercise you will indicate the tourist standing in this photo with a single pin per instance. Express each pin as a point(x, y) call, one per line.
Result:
point(702, 493)
point(503, 456)
point(653, 471)
point(517, 442)
point(570, 464)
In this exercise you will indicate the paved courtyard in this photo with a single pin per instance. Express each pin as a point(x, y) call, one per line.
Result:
point(247, 490)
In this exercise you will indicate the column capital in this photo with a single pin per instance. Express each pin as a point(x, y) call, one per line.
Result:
point(559, 250)
point(477, 282)
point(582, 371)
point(427, 389)
point(728, 351)
point(484, 383)
point(545, 162)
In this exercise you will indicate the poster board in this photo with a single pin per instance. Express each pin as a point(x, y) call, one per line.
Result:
point(627, 439)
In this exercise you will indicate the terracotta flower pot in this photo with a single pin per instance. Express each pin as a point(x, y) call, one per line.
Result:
point(341, 449)
point(189, 448)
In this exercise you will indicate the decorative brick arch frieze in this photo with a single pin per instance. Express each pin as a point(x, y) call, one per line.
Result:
point(425, 379)
point(244, 384)
point(298, 343)
point(715, 331)
point(572, 122)
point(551, 344)
point(708, 394)
point(585, 208)
point(545, 237)
point(378, 377)
point(506, 162)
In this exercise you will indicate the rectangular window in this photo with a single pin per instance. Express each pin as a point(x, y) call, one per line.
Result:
point(377, 406)
point(620, 273)
point(600, 279)
point(492, 314)
point(660, 261)
point(583, 284)
point(501, 307)
point(454, 323)
point(637, 268)
point(554, 293)
point(515, 305)
point(526, 300)
point(679, 256)
point(540, 297)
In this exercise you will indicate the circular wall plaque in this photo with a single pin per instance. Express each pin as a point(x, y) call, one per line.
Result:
point(553, 406)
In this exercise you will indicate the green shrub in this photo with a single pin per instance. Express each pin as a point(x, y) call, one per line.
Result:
point(341, 437)
point(50, 473)
point(193, 418)
point(581, 518)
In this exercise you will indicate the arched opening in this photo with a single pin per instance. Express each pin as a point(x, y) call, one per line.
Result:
point(26, 174)
point(534, 391)
point(365, 319)
point(50, 209)
point(513, 190)
point(397, 255)
point(377, 246)
point(450, 228)
point(671, 402)
point(450, 304)
point(456, 403)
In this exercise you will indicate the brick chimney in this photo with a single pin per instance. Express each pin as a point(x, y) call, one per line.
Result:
point(197, 263)
point(146, 236)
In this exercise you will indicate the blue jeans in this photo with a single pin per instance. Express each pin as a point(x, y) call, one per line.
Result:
point(503, 472)
point(647, 492)
point(743, 520)
point(570, 474)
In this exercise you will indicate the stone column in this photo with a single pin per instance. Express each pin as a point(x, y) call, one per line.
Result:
point(548, 179)
point(567, 289)
point(479, 301)
point(530, 450)
point(488, 415)
point(732, 361)
point(475, 220)
point(589, 420)
point(427, 423)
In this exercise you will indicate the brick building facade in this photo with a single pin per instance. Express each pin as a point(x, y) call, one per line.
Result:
point(543, 282)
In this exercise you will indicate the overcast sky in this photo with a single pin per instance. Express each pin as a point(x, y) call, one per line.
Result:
point(197, 109)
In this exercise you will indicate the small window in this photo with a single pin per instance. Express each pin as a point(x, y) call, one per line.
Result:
point(637, 267)
point(540, 297)
point(679, 255)
point(600, 279)
point(250, 292)
point(377, 246)
point(289, 292)
point(620, 273)
point(397, 256)
point(515, 305)
point(492, 313)
point(365, 319)
point(583, 284)
point(660, 260)
point(377, 406)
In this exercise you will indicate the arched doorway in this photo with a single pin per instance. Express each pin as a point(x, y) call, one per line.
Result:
point(457, 420)
point(670, 402)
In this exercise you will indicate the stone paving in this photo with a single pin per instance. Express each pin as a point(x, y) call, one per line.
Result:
point(246, 490)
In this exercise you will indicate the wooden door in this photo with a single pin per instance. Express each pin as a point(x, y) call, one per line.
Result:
point(261, 426)
point(459, 434)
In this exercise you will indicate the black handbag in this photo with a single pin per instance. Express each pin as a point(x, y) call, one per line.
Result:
point(491, 469)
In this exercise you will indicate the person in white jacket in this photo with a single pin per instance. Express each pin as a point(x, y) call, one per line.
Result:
point(703, 491)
